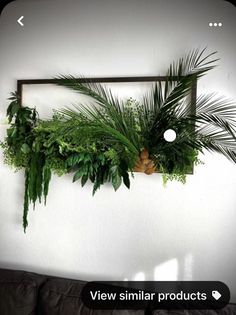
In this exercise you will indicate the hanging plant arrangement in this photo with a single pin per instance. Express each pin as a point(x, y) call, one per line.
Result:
point(112, 138)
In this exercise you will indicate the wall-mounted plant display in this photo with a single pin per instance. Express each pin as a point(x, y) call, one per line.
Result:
point(111, 138)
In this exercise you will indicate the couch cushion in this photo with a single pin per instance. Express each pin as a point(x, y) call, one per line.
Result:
point(63, 297)
point(228, 310)
point(19, 292)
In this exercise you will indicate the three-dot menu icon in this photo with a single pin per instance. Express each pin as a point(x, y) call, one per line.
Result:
point(215, 24)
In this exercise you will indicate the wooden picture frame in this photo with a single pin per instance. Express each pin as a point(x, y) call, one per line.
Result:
point(21, 83)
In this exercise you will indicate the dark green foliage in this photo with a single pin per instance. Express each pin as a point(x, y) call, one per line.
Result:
point(23, 152)
point(99, 168)
point(20, 135)
point(102, 143)
point(34, 182)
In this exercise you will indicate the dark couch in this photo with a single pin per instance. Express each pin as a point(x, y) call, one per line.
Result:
point(25, 293)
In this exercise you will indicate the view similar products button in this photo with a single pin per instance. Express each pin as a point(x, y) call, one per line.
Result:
point(156, 295)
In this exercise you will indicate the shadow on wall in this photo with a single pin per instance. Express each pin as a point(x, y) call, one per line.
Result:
point(170, 270)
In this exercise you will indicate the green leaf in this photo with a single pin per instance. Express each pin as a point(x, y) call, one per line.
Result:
point(114, 169)
point(46, 180)
point(126, 180)
point(12, 110)
point(116, 181)
point(78, 175)
point(11, 132)
point(96, 185)
point(25, 148)
point(84, 180)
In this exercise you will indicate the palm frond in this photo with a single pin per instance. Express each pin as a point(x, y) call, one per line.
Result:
point(215, 123)
point(219, 107)
point(217, 146)
point(98, 127)
point(193, 63)
point(168, 98)
point(109, 110)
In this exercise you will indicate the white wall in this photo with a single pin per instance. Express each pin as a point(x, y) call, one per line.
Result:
point(181, 232)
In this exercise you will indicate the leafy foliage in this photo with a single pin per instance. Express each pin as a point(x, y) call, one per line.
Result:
point(59, 146)
point(102, 142)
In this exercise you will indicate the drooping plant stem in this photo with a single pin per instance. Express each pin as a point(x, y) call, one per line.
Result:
point(37, 178)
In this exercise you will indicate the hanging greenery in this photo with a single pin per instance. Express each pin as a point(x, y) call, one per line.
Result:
point(113, 138)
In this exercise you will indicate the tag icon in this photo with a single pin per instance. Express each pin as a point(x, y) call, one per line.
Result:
point(216, 295)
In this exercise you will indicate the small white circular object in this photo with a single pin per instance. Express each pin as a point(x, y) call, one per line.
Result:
point(170, 135)
point(215, 24)
point(210, 24)
point(220, 24)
